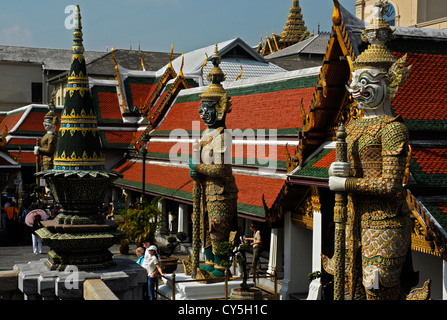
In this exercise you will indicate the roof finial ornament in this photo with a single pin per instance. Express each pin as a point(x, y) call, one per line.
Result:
point(142, 63)
point(336, 15)
point(216, 76)
point(172, 57)
point(240, 74)
point(180, 74)
point(204, 64)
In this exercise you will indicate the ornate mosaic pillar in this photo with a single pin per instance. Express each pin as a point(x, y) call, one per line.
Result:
point(79, 235)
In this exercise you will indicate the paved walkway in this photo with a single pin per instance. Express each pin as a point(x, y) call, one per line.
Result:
point(12, 255)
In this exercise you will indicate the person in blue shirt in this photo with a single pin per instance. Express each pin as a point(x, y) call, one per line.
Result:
point(140, 254)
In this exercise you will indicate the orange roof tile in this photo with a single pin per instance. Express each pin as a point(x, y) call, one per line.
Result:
point(326, 161)
point(109, 105)
point(271, 110)
point(140, 92)
point(251, 188)
point(431, 160)
point(423, 95)
point(10, 121)
point(118, 137)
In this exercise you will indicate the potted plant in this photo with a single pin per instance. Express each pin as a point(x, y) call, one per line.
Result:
point(223, 254)
point(169, 263)
point(141, 221)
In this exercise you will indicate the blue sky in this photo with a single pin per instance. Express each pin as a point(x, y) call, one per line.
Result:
point(155, 24)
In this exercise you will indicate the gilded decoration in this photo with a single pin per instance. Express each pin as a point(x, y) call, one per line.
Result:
point(293, 32)
point(145, 108)
point(310, 203)
point(79, 235)
point(215, 192)
point(371, 215)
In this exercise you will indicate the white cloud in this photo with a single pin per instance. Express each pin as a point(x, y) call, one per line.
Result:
point(16, 36)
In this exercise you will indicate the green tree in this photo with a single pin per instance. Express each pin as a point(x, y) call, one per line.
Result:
point(141, 221)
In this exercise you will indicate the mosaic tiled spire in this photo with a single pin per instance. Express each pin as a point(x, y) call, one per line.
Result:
point(294, 28)
point(79, 145)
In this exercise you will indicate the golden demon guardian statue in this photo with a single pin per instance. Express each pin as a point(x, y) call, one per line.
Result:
point(378, 225)
point(215, 191)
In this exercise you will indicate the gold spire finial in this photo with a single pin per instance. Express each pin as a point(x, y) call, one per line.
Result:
point(216, 53)
point(215, 91)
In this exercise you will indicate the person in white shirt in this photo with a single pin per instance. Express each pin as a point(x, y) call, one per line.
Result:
point(257, 246)
point(153, 266)
point(146, 244)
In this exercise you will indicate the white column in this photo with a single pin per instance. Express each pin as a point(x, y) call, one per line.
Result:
point(276, 252)
point(183, 219)
point(444, 280)
point(287, 280)
point(315, 285)
point(297, 259)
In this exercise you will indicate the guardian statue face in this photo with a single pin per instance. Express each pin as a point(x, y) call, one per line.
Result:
point(48, 124)
point(369, 88)
point(208, 112)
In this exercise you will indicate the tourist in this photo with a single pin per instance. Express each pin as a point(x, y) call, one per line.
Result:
point(143, 260)
point(153, 268)
point(257, 246)
point(140, 254)
point(37, 241)
point(146, 244)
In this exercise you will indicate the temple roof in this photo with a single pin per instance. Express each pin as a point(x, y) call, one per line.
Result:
point(235, 53)
point(254, 100)
point(52, 59)
point(304, 54)
point(103, 65)
point(315, 44)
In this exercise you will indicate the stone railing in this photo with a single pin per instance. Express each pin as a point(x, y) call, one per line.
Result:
point(9, 288)
point(96, 289)
point(33, 281)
